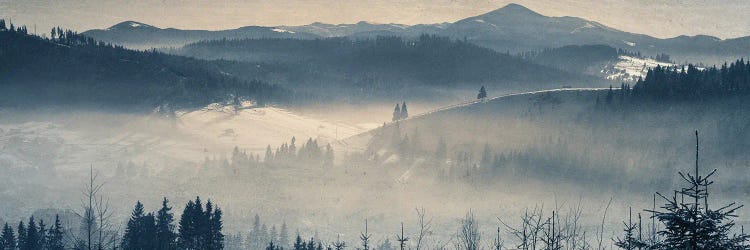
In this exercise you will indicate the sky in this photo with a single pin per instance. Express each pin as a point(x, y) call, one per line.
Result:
point(659, 18)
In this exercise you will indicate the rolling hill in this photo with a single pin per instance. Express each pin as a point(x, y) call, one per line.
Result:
point(76, 70)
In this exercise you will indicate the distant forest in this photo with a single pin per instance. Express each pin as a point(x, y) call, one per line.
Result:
point(71, 69)
point(384, 62)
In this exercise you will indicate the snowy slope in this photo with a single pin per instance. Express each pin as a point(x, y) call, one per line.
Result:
point(73, 141)
point(629, 69)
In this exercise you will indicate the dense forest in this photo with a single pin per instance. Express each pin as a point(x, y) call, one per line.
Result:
point(695, 84)
point(686, 220)
point(71, 69)
point(383, 62)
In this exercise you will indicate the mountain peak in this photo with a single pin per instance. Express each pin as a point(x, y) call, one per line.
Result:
point(514, 9)
point(130, 25)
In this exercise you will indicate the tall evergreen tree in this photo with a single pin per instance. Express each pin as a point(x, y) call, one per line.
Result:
point(283, 236)
point(186, 232)
point(42, 235)
point(298, 243)
point(482, 94)
point(396, 113)
point(55, 236)
point(215, 235)
point(404, 111)
point(21, 234)
point(165, 234)
point(32, 236)
point(140, 232)
point(7, 238)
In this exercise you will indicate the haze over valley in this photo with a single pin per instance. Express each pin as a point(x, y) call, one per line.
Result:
point(505, 130)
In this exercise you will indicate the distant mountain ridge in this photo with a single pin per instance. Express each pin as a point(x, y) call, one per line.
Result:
point(513, 28)
point(138, 35)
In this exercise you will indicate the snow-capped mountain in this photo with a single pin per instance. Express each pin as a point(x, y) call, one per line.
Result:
point(512, 28)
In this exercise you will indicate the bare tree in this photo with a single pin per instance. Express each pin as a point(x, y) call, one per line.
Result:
point(531, 227)
point(468, 235)
point(425, 227)
point(604, 217)
point(96, 225)
point(107, 236)
point(497, 243)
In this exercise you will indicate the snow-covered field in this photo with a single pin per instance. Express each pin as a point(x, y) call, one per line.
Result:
point(72, 141)
point(628, 68)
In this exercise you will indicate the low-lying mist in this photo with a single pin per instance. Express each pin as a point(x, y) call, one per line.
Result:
point(558, 151)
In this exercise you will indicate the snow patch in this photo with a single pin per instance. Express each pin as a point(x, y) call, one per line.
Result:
point(282, 30)
point(628, 68)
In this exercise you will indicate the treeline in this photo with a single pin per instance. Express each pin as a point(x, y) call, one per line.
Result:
point(689, 83)
point(287, 154)
point(70, 69)
point(198, 228)
point(260, 236)
point(389, 61)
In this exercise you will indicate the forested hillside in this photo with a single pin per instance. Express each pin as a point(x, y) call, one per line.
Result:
point(71, 69)
point(389, 63)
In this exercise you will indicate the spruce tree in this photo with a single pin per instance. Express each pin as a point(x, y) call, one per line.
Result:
point(165, 234)
point(186, 232)
point(396, 113)
point(32, 236)
point(133, 236)
point(148, 238)
point(21, 242)
point(690, 223)
point(298, 243)
point(55, 236)
point(482, 94)
point(404, 111)
point(7, 238)
point(283, 236)
point(42, 235)
point(215, 226)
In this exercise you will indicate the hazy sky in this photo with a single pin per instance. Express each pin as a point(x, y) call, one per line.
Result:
point(660, 18)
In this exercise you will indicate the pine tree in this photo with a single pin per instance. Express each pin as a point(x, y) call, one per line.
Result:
point(690, 223)
point(404, 111)
point(148, 238)
point(482, 94)
point(269, 154)
point(165, 234)
point(271, 246)
point(186, 232)
point(215, 227)
point(32, 236)
point(396, 113)
point(55, 236)
point(283, 236)
point(21, 242)
point(298, 243)
point(7, 238)
point(254, 240)
point(610, 95)
point(134, 229)
point(42, 235)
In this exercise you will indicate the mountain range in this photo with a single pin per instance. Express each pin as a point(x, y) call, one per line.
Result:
point(513, 28)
